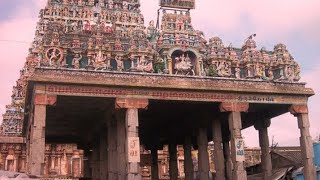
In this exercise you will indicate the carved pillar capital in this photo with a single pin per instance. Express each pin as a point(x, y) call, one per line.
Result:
point(234, 107)
point(127, 103)
point(45, 99)
point(262, 124)
point(298, 109)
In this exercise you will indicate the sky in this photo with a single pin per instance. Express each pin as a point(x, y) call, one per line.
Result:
point(295, 23)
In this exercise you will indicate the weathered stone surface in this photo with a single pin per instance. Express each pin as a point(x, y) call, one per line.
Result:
point(131, 103)
point(234, 107)
point(44, 99)
point(298, 109)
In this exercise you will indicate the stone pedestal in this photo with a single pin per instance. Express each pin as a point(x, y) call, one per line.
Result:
point(203, 157)
point(262, 126)
point(188, 164)
point(218, 151)
point(301, 112)
point(237, 149)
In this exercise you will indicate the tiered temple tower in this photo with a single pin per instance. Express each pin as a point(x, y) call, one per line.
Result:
point(100, 52)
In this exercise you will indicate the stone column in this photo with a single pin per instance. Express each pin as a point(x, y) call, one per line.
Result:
point(237, 149)
point(203, 156)
point(218, 152)
point(95, 155)
point(228, 161)
point(103, 154)
point(301, 112)
point(173, 164)
point(121, 145)
point(262, 127)
point(112, 149)
point(154, 168)
point(36, 140)
point(132, 142)
point(188, 163)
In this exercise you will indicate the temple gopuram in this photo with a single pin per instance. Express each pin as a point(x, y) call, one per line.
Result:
point(102, 96)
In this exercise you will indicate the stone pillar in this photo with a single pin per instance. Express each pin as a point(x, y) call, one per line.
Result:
point(36, 140)
point(132, 142)
point(112, 149)
point(203, 156)
point(262, 127)
point(154, 167)
point(188, 163)
point(95, 163)
point(228, 161)
point(121, 145)
point(218, 152)
point(103, 155)
point(237, 149)
point(173, 164)
point(301, 112)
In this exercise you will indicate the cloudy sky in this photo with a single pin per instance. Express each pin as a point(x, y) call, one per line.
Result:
point(295, 23)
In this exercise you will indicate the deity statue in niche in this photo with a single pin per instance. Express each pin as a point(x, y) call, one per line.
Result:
point(120, 65)
point(290, 73)
point(76, 61)
point(259, 71)
point(237, 73)
point(100, 62)
point(223, 69)
point(143, 65)
point(152, 32)
point(55, 56)
point(183, 65)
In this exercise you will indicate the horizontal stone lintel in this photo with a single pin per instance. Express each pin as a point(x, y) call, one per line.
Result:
point(143, 93)
point(143, 80)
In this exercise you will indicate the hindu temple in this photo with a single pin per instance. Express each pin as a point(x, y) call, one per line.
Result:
point(103, 96)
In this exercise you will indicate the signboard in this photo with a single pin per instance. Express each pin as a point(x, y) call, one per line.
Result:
point(239, 144)
point(182, 4)
point(133, 149)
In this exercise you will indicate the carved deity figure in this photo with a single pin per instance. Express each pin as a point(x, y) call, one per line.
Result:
point(237, 72)
point(183, 65)
point(100, 62)
point(290, 73)
point(55, 56)
point(223, 69)
point(76, 61)
point(152, 32)
point(120, 65)
point(143, 65)
point(259, 71)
